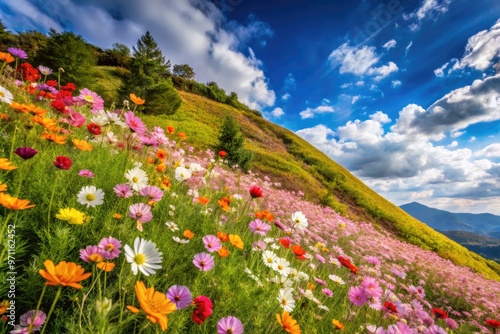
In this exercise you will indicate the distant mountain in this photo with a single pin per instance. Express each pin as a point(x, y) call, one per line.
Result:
point(480, 244)
point(482, 223)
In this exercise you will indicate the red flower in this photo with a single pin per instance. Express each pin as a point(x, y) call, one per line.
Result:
point(58, 105)
point(94, 129)
point(52, 83)
point(390, 307)
point(299, 252)
point(255, 192)
point(492, 323)
point(28, 72)
point(346, 263)
point(63, 162)
point(203, 309)
point(222, 154)
point(69, 86)
point(439, 313)
point(285, 242)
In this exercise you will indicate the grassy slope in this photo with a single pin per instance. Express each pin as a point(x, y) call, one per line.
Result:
point(300, 166)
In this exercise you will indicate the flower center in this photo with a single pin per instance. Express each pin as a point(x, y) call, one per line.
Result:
point(269, 260)
point(2, 94)
point(229, 331)
point(96, 258)
point(89, 98)
point(140, 259)
point(202, 263)
point(177, 298)
point(283, 302)
point(135, 179)
point(138, 214)
point(109, 247)
point(280, 267)
point(90, 197)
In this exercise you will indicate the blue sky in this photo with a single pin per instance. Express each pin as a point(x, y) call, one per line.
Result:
point(403, 93)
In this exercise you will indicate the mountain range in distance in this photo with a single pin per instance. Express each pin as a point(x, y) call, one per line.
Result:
point(479, 233)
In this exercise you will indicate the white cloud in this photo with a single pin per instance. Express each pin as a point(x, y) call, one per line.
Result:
point(428, 9)
point(277, 112)
point(312, 112)
point(215, 52)
point(408, 47)
point(396, 83)
point(439, 72)
point(286, 97)
point(390, 44)
point(360, 61)
point(456, 134)
point(453, 144)
point(492, 150)
point(380, 117)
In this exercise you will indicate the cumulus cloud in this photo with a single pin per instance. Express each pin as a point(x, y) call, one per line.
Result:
point(492, 150)
point(312, 112)
point(360, 61)
point(277, 112)
point(396, 83)
point(390, 44)
point(193, 32)
point(428, 9)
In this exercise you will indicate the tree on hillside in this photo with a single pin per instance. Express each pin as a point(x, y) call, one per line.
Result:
point(31, 41)
point(149, 78)
point(231, 141)
point(119, 56)
point(7, 39)
point(73, 54)
point(184, 71)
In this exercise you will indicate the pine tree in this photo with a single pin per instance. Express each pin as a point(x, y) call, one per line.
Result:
point(231, 141)
point(149, 78)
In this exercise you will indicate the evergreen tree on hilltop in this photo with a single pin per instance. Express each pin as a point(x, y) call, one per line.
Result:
point(149, 78)
point(231, 141)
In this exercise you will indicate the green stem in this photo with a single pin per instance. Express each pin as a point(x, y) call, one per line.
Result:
point(37, 308)
point(13, 143)
point(51, 309)
point(121, 298)
point(4, 225)
point(50, 203)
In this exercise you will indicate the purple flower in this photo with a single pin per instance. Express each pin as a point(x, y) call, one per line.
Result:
point(327, 292)
point(203, 261)
point(110, 248)
point(140, 212)
point(211, 243)
point(320, 258)
point(30, 317)
point(399, 328)
point(180, 296)
point(371, 287)
point(26, 152)
point(451, 324)
point(152, 193)
point(44, 70)
point(279, 225)
point(88, 96)
point(19, 53)
point(319, 281)
point(91, 254)
point(123, 190)
point(358, 296)
point(134, 123)
point(259, 245)
point(259, 227)
point(86, 173)
point(435, 329)
point(229, 324)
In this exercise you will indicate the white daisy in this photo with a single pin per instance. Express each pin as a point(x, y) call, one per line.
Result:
point(182, 174)
point(137, 178)
point(172, 226)
point(299, 220)
point(302, 276)
point(180, 241)
point(115, 119)
point(5, 95)
point(269, 258)
point(195, 167)
point(282, 266)
point(90, 196)
point(100, 118)
point(336, 279)
point(285, 297)
point(143, 257)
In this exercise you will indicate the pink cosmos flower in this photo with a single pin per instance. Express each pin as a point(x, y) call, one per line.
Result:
point(358, 296)
point(30, 317)
point(123, 190)
point(327, 292)
point(212, 243)
point(152, 193)
point(435, 329)
point(110, 248)
point(400, 328)
point(203, 261)
point(134, 123)
point(320, 258)
point(91, 254)
point(319, 281)
point(371, 287)
point(86, 173)
point(75, 118)
point(180, 296)
point(89, 97)
point(418, 290)
point(259, 245)
point(140, 212)
point(257, 226)
point(229, 324)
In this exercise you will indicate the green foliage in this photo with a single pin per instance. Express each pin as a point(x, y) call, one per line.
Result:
point(7, 39)
point(119, 56)
point(148, 78)
point(31, 41)
point(184, 71)
point(231, 141)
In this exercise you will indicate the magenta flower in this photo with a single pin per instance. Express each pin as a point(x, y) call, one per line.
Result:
point(435, 329)
point(211, 243)
point(320, 258)
point(358, 296)
point(31, 318)
point(371, 287)
point(180, 296)
point(257, 226)
point(319, 281)
point(152, 193)
point(327, 292)
point(399, 328)
point(229, 324)
point(203, 261)
point(134, 123)
point(123, 190)
point(418, 290)
point(19, 53)
point(44, 70)
point(75, 118)
point(86, 173)
point(451, 324)
point(140, 212)
point(259, 245)
point(110, 248)
point(91, 254)
point(89, 97)
point(26, 152)
point(372, 260)
point(279, 225)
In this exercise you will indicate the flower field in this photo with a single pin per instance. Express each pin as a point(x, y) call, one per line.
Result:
point(111, 226)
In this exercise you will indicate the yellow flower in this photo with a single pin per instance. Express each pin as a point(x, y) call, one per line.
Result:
point(5, 164)
point(154, 303)
point(82, 145)
point(236, 241)
point(65, 274)
point(14, 203)
point(72, 216)
point(137, 100)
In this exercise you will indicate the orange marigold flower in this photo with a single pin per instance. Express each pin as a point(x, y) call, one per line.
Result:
point(4, 305)
point(117, 216)
point(151, 161)
point(265, 215)
point(165, 184)
point(3, 187)
point(161, 154)
point(236, 241)
point(222, 236)
point(182, 135)
point(53, 137)
point(170, 129)
point(188, 234)
point(288, 323)
point(65, 274)
point(337, 324)
point(203, 200)
point(5, 164)
point(6, 57)
point(137, 100)
point(224, 204)
point(160, 169)
point(106, 266)
point(223, 252)
point(19, 107)
point(14, 203)
point(310, 286)
point(82, 145)
point(154, 303)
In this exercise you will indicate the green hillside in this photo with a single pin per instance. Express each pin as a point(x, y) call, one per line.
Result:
point(288, 158)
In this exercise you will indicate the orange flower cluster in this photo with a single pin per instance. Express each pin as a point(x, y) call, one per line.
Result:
point(65, 274)
point(224, 203)
point(5, 164)
point(288, 323)
point(6, 57)
point(28, 108)
point(236, 241)
point(188, 234)
point(136, 100)
point(265, 215)
point(203, 200)
point(14, 203)
point(82, 145)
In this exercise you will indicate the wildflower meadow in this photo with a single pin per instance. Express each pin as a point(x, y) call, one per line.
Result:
point(113, 226)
